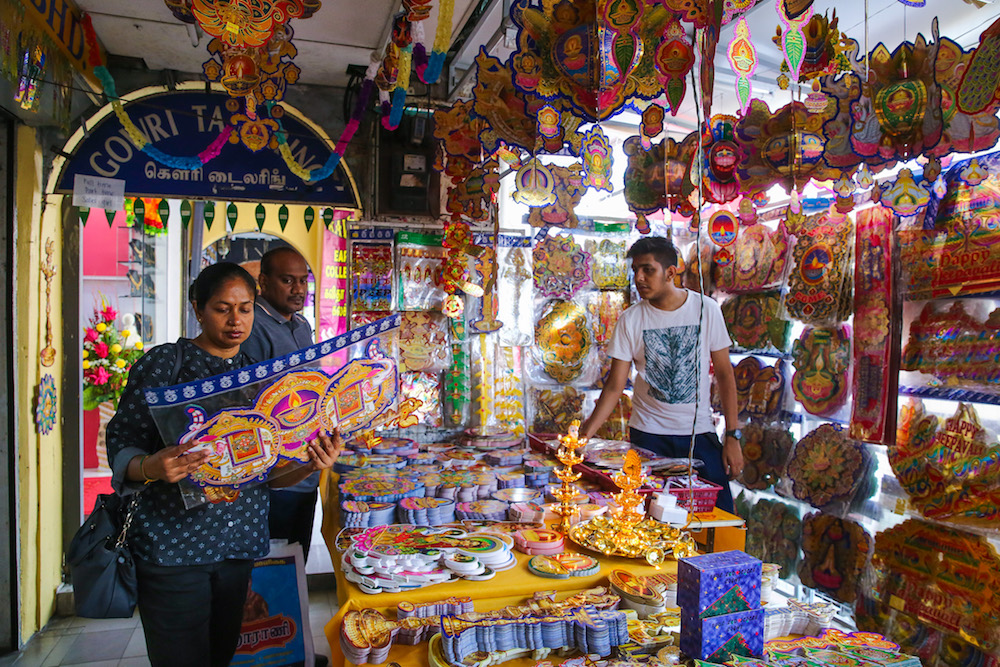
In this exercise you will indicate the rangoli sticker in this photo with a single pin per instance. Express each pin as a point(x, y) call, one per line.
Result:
point(827, 467)
point(563, 341)
point(45, 409)
point(423, 342)
point(821, 358)
point(834, 551)
point(561, 267)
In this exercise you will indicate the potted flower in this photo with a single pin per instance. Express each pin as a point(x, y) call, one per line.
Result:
point(108, 354)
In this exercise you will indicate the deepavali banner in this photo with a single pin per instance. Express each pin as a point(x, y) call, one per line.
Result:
point(256, 421)
point(244, 170)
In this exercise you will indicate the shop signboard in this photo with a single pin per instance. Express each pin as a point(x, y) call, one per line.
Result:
point(182, 123)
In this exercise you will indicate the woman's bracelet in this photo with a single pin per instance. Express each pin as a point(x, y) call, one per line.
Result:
point(142, 469)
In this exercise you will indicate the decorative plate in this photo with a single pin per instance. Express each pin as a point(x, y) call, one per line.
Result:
point(561, 267)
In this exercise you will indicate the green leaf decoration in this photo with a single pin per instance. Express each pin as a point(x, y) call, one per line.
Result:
point(83, 212)
point(139, 208)
point(209, 214)
point(232, 214)
point(328, 217)
point(310, 217)
point(187, 212)
point(282, 217)
point(163, 208)
point(110, 215)
point(260, 216)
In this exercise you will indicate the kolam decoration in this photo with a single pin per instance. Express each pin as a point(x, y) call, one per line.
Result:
point(944, 577)
point(827, 467)
point(379, 486)
point(821, 358)
point(753, 321)
point(875, 381)
point(460, 484)
point(950, 468)
point(46, 411)
point(765, 453)
point(561, 266)
point(819, 285)
point(563, 340)
point(834, 552)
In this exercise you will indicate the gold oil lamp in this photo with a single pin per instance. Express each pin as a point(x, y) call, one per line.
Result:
point(569, 457)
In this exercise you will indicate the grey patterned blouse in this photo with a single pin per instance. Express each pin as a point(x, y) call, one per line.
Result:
point(163, 531)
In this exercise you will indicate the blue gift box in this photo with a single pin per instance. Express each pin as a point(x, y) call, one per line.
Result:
point(719, 638)
point(721, 583)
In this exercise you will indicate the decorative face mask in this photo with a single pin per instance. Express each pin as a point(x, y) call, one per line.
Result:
point(821, 358)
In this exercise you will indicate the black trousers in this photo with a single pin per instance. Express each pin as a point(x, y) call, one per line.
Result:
point(191, 614)
point(291, 517)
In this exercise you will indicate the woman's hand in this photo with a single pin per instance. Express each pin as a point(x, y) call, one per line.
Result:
point(172, 464)
point(324, 450)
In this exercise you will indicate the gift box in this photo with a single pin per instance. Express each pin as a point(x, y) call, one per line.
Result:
point(719, 583)
point(719, 638)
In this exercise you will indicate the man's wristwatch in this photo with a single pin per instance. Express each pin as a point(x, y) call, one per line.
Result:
point(735, 433)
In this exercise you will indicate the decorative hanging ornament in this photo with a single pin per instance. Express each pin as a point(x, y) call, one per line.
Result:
point(243, 23)
point(793, 41)
point(561, 267)
point(980, 87)
point(597, 159)
point(674, 59)
point(46, 412)
point(652, 123)
point(743, 60)
point(548, 121)
point(723, 228)
point(905, 196)
point(534, 184)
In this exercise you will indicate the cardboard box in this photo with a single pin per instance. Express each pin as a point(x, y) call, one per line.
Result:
point(716, 584)
point(719, 638)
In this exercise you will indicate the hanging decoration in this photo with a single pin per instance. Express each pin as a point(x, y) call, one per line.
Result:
point(535, 184)
point(793, 41)
point(457, 130)
point(821, 358)
point(31, 71)
point(48, 353)
point(597, 159)
point(610, 268)
point(765, 453)
point(963, 132)
point(46, 407)
point(569, 187)
point(774, 532)
point(758, 260)
point(979, 90)
point(402, 39)
point(137, 137)
point(834, 552)
point(721, 155)
point(245, 23)
point(473, 195)
point(708, 42)
point(651, 125)
point(743, 60)
point(596, 55)
point(754, 323)
point(674, 59)
point(561, 267)
point(658, 177)
point(442, 40)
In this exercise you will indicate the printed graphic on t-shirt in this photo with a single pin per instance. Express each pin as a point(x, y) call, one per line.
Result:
point(672, 363)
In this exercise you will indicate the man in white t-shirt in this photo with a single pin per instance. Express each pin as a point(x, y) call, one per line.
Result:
point(673, 336)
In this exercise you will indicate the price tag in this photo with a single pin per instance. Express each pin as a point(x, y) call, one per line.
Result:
point(232, 27)
point(897, 603)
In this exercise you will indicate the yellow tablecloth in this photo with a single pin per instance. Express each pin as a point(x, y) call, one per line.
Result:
point(513, 586)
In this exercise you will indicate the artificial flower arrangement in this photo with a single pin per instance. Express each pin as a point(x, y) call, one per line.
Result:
point(107, 358)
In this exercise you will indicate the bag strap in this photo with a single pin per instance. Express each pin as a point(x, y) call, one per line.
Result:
point(127, 522)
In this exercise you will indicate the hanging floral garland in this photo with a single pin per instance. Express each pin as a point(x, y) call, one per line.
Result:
point(318, 174)
point(429, 69)
point(140, 141)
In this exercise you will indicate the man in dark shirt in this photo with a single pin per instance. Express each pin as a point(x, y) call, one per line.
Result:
point(279, 329)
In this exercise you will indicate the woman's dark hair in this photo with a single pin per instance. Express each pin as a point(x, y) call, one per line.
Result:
point(660, 248)
point(212, 278)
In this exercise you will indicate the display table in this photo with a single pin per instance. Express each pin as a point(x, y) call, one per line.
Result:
point(513, 586)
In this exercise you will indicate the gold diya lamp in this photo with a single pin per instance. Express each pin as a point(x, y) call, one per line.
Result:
point(627, 532)
point(569, 457)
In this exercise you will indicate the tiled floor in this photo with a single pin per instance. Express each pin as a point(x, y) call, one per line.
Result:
point(85, 642)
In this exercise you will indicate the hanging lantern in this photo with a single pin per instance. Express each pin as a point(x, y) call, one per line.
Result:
point(240, 74)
